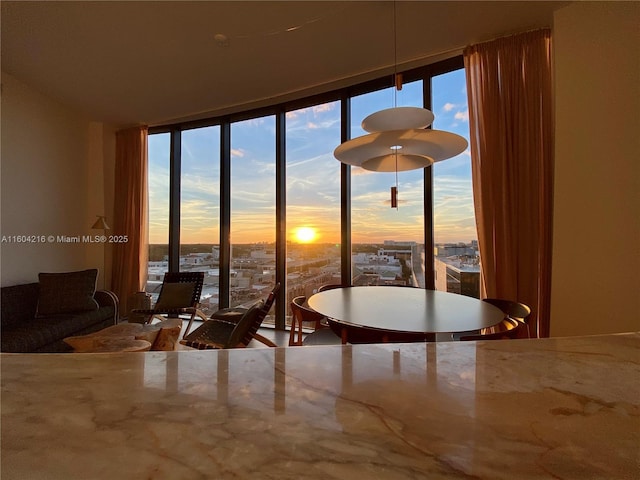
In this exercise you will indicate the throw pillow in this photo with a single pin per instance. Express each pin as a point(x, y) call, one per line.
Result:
point(67, 292)
point(175, 295)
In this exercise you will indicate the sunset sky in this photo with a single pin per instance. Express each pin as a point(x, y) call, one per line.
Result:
point(313, 177)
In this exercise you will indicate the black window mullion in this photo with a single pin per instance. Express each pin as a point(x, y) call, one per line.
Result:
point(345, 195)
point(174, 199)
point(224, 265)
point(281, 223)
point(429, 246)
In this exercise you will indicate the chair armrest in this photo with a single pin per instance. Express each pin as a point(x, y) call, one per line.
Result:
point(106, 298)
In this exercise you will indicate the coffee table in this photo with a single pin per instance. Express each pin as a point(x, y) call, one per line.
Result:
point(110, 345)
point(129, 337)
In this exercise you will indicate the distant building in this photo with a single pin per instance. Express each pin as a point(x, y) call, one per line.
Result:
point(455, 276)
point(156, 271)
point(403, 250)
point(372, 269)
point(194, 259)
point(263, 252)
point(451, 249)
point(391, 243)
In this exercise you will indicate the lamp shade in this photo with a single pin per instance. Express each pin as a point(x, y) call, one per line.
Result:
point(398, 118)
point(400, 150)
point(100, 224)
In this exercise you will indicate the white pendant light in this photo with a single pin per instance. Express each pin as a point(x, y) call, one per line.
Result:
point(414, 148)
point(398, 118)
point(401, 132)
point(399, 140)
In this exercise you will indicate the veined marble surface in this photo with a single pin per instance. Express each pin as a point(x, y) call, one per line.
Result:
point(565, 408)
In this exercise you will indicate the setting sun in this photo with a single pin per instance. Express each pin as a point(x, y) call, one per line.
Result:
point(305, 234)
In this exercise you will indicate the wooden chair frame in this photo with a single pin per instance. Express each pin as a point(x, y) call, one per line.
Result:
point(301, 314)
point(217, 333)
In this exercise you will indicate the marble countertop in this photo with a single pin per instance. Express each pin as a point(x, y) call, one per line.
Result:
point(565, 408)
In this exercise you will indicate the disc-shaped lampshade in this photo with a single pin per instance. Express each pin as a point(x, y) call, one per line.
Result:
point(397, 118)
point(415, 148)
point(393, 163)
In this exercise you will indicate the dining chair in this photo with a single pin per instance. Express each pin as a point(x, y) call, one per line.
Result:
point(216, 333)
point(329, 286)
point(179, 297)
point(512, 310)
point(357, 334)
point(301, 314)
point(508, 328)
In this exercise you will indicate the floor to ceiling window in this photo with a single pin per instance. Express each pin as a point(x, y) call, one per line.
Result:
point(386, 242)
point(313, 198)
point(247, 232)
point(253, 226)
point(456, 260)
point(158, 158)
point(200, 209)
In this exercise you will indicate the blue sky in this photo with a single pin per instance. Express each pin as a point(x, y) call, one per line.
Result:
point(313, 179)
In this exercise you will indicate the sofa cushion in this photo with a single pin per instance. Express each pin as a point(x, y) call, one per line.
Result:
point(67, 292)
point(18, 304)
point(39, 332)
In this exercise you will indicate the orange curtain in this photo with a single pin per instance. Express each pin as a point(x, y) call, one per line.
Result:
point(511, 137)
point(130, 215)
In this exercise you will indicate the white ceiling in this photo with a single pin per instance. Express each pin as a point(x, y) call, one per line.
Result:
point(151, 62)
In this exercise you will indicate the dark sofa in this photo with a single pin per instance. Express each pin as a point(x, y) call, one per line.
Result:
point(28, 327)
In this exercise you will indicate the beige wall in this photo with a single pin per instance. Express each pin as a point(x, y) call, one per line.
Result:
point(596, 244)
point(53, 183)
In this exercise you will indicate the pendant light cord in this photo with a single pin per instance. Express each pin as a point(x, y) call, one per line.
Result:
point(395, 83)
point(395, 57)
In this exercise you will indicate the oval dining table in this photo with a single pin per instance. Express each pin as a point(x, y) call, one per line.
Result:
point(371, 314)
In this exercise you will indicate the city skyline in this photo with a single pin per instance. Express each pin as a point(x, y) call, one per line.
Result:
point(313, 177)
